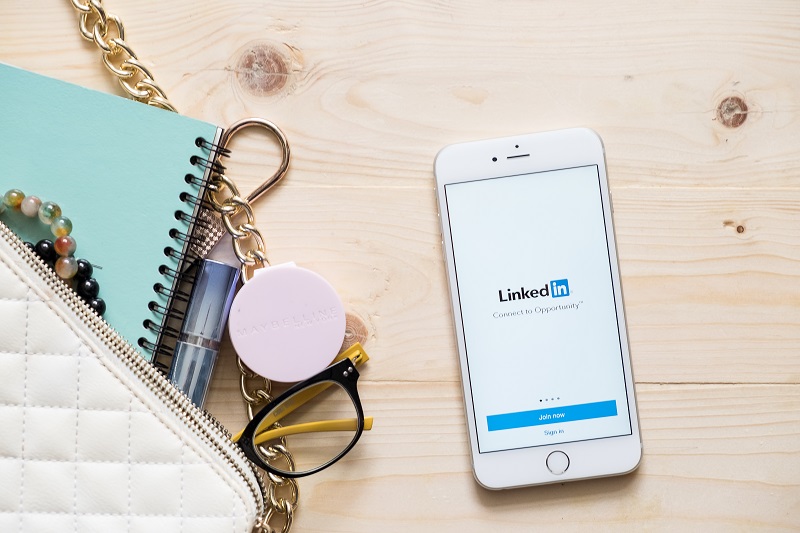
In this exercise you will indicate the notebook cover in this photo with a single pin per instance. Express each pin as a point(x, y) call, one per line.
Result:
point(116, 167)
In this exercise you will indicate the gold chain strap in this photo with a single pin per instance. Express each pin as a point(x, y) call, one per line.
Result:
point(224, 196)
point(248, 245)
point(282, 493)
point(107, 32)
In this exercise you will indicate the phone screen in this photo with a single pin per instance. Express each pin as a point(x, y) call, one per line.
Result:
point(538, 309)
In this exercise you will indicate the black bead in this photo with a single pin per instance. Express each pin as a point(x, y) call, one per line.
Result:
point(31, 246)
point(85, 269)
point(87, 288)
point(98, 304)
point(46, 250)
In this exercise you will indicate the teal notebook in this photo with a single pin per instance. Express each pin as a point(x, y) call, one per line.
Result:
point(118, 170)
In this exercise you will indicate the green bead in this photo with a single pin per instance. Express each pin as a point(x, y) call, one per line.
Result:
point(66, 267)
point(13, 198)
point(49, 212)
point(61, 226)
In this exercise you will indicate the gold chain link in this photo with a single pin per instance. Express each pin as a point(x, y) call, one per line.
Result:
point(248, 245)
point(282, 493)
point(240, 221)
point(108, 33)
point(235, 210)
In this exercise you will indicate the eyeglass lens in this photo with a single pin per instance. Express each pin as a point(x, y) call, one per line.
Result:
point(318, 424)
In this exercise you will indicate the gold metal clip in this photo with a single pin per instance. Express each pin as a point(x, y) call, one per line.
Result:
point(282, 141)
point(248, 244)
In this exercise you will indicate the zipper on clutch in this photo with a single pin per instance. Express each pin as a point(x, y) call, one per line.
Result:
point(201, 422)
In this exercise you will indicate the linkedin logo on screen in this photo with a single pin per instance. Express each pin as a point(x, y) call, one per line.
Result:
point(558, 288)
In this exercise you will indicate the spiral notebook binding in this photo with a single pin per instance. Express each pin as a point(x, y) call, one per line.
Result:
point(192, 220)
point(172, 295)
point(183, 237)
point(212, 147)
point(178, 255)
point(156, 308)
point(191, 179)
point(157, 349)
point(194, 200)
point(173, 274)
point(207, 162)
point(161, 330)
point(162, 311)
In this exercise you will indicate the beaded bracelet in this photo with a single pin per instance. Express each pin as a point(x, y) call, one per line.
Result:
point(58, 254)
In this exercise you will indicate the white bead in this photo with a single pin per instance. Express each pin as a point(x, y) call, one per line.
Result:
point(30, 206)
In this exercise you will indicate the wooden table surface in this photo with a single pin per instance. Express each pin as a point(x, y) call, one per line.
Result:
point(698, 104)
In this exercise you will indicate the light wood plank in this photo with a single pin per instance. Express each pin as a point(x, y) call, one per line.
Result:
point(705, 303)
point(723, 458)
point(374, 103)
point(374, 89)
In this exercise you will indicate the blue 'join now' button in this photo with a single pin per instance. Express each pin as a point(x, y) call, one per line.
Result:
point(539, 417)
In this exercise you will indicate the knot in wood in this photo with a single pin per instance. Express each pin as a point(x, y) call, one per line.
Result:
point(355, 330)
point(732, 112)
point(262, 70)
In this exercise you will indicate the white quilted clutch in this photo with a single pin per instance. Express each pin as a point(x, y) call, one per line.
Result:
point(92, 437)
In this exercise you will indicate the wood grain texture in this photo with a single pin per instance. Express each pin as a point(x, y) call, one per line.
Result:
point(716, 456)
point(707, 216)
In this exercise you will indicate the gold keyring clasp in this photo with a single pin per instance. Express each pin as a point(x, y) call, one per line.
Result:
point(282, 141)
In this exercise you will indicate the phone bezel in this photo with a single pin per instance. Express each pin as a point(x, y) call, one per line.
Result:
point(546, 151)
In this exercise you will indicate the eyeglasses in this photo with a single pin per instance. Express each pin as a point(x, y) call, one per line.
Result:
point(319, 432)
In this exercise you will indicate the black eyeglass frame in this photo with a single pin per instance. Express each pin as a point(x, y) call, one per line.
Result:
point(345, 374)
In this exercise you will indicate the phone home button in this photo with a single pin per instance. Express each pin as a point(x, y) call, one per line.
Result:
point(557, 463)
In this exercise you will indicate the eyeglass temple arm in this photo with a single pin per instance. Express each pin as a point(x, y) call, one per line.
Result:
point(342, 424)
point(355, 353)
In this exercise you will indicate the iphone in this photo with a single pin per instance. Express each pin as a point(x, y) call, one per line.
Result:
point(531, 259)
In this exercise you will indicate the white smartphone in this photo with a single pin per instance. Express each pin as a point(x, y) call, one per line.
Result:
point(537, 304)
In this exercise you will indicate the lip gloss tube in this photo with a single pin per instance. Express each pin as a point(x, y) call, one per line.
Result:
point(203, 327)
